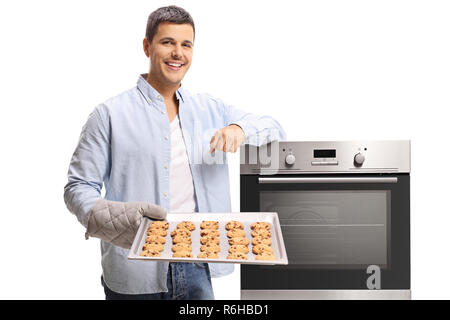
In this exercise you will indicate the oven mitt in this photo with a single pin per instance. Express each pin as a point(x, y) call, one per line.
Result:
point(117, 222)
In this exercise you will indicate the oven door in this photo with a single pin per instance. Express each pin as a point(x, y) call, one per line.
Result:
point(334, 227)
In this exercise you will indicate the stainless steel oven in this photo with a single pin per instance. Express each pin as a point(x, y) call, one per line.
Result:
point(344, 209)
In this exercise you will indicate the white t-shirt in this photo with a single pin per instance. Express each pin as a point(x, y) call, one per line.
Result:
point(182, 198)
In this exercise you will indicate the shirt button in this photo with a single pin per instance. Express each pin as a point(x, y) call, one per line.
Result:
point(159, 98)
point(166, 166)
point(166, 137)
point(163, 112)
point(165, 194)
point(150, 101)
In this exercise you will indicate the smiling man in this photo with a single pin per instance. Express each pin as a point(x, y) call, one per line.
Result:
point(149, 146)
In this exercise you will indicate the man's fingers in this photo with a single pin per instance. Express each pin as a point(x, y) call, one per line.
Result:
point(220, 141)
point(212, 143)
point(229, 144)
point(153, 211)
point(235, 144)
point(216, 142)
point(225, 140)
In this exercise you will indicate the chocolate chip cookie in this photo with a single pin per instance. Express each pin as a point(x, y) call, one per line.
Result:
point(260, 225)
point(210, 247)
point(233, 233)
point(180, 239)
point(180, 232)
point(186, 225)
point(260, 248)
point(237, 256)
point(234, 225)
point(210, 225)
point(148, 253)
point(238, 248)
point(153, 246)
point(208, 239)
point(261, 240)
point(239, 240)
point(262, 233)
point(155, 239)
point(159, 225)
point(181, 247)
point(157, 231)
point(209, 255)
point(210, 232)
point(182, 254)
point(265, 256)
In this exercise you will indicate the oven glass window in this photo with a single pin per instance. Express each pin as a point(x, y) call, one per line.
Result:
point(335, 229)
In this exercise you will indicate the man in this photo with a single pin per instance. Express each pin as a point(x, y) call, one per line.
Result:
point(157, 148)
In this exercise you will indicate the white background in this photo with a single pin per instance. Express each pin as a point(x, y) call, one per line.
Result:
point(337, 70)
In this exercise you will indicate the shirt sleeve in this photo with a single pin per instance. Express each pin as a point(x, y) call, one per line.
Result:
point(89, 166)
point(258, 130)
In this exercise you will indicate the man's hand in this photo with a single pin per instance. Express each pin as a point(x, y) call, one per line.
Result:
point(117, 222)
point(227, 139)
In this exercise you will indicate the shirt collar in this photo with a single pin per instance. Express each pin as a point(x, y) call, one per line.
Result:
point(151, 94)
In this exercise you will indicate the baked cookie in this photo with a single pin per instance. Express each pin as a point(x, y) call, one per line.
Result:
point(155, 239)
point(238, 248)
point(237, 256)
point(210, 232)
point(206, 254)
point(234, 225)
point(182, 254)
point(210, 247)
point(265, 256)
point(181, 247)
point(180, 239)
point(260, 248)
point(209, 225)
point(157, 231)
point(180, 232)
point(159, 225)
point(186, 225)
point(233, 233)
point(261, 233)
point(261, 240)
point(148, 253)
point(211, 240)
point(259, 225)
point(238, 240)
point(153, 246)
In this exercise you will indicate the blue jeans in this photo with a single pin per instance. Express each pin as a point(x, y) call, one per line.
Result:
point(185, 281)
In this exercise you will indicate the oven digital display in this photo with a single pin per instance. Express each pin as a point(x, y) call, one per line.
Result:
point(325, 153)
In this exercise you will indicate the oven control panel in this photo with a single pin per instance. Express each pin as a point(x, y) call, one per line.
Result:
point(359, 159)
point(288, 157)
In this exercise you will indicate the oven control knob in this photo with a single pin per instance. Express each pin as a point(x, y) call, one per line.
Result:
point(290, 159)
point(359, 159)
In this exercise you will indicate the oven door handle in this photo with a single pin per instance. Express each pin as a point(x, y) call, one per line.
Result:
point(329, 180)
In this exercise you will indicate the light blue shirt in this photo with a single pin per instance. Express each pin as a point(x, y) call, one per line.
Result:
point(125, 144)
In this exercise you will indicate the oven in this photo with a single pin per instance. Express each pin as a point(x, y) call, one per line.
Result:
point(344, 210)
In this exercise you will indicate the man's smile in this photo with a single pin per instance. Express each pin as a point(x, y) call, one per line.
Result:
point(173, 65)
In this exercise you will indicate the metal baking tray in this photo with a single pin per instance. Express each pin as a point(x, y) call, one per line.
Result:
point(247, 218)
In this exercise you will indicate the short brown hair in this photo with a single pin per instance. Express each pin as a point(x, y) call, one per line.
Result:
point(171, 14)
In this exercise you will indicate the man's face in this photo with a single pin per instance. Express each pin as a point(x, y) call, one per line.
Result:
point(170, 52)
